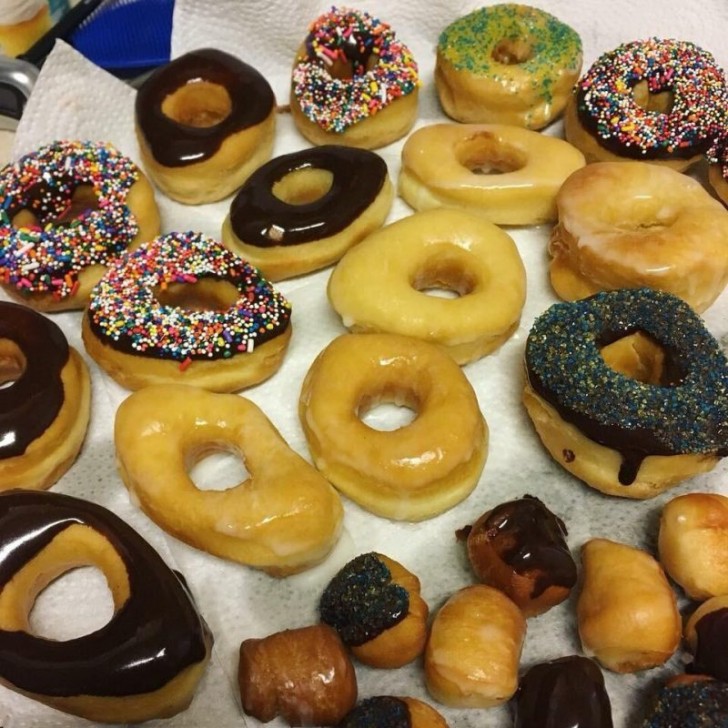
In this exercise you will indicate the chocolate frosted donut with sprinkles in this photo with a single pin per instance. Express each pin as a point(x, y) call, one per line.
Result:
point(657, 100)
point(184, 309)
point(628, 391)
point(66, 211)
point(353, 82)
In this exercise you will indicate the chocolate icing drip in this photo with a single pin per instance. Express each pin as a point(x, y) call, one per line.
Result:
point(177, 145)
point(711, 652)
point(531, 540)
point(259, 218)
point(32, 403)
point(155, 634)
point(564, 693)
point(381, 711)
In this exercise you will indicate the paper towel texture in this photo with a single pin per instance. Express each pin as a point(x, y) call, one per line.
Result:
point(75, 100)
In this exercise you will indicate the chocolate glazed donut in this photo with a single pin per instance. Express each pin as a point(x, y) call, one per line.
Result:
point(153, 636)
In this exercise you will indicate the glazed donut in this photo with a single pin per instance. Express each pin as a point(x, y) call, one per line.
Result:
point(378, 285)
point(656, 100)
point(44, 414)
point(506, 174)
point(634, 224)
point(626, 611)
point(718, 170)
point(204, 122)
point(396, 712)
point(144, 663)
point(66, 211)
point(183, 308)
point(417, 471)
point(303, 211)
point(705, 632)
point(374, 604)
point(604, 415)
point(507, 64)
point(353, 82)
point(283, 518)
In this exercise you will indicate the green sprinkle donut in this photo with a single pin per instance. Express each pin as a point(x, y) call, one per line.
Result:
point(684, 413)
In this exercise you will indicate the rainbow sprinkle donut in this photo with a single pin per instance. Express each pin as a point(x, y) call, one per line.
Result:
point(66, 211)
point(183, 308)
point(350, 70)
point(653, 100)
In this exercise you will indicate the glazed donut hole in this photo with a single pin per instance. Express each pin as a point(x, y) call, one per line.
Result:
point(303, 186)
point(485, 153)
point(445, 273)
point(216, 465)
point(199, 104)
point(12, 363)
point(389, 408)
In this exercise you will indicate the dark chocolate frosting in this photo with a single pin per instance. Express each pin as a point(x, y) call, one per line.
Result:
point(381, 711)
point(177, 145)
point(32, 403)
point(711, 652)
point(260, 218)
point(151, 638)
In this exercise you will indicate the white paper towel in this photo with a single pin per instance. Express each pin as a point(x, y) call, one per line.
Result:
point(74, 99)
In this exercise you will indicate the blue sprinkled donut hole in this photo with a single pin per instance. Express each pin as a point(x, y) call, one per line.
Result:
point(686, 413)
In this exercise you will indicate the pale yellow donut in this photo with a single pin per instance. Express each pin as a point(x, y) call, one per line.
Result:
point(634, 225)
point(283, 519)
point(417, 471)
point(507, 174)
point(379, 284)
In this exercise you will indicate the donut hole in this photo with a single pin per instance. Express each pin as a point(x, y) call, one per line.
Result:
point(512, 51)
point(61, 211)
point(12, 363)
point(640, 357)
point(200, 104)
point(484, 153)
point(445, 276)
point(217, 466)
point(659, 103)
point(347, 69)
point(389, 408)
point(303, 186)
point(206, 294)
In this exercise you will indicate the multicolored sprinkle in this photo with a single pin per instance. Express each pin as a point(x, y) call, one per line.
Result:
point(607, 107)
point(125, 313)
point(700, 704)
point(49, 257)
point(383, 69)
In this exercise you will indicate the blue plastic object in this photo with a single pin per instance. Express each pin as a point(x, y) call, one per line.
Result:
point(126, 37)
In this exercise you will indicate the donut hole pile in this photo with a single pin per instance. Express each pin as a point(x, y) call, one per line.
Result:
point(200, 104)
point(206, 294)
point(303, 186)
point(12, 363)
point(445, 273)
point(640, 357)
point(485, 153)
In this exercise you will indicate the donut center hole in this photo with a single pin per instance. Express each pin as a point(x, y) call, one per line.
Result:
point(388, 409)
point(642, 358)
point(303, 186)
point(217, 467)
point(659, 103)
point(49, 208)
point(75, 604)
point(199, 104)
point(512, 51)
point(346, 68)
point(484, 153)
point(206, 294)
point(12, 363)
point(444, 276)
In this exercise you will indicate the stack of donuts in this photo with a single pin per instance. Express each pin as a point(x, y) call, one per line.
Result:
point(452, 313)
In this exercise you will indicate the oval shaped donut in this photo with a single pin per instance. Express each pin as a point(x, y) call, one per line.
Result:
point(450, 165)
point(284, 223)
point(144, 663)
point(67, 211)
point(412, 473)
point(204, 122)
point(627, 436)
point(218, 340)
point(44, 414)
point(283, 519)
point(378, 285)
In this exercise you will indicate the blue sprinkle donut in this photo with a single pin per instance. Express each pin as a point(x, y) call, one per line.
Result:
point(622, 434)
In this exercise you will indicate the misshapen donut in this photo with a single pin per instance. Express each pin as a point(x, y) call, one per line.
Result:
point(44, 414)
point(414, 472)
point(505, 174)
point(144, 663)
point(283, 518)
point(507, 64)
point(66, 211)
point(656, 100)
point(653, 416)
point(353, 82)
point(302, 211)
point(378, 285)
point(183, 308)
point(204, 122)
